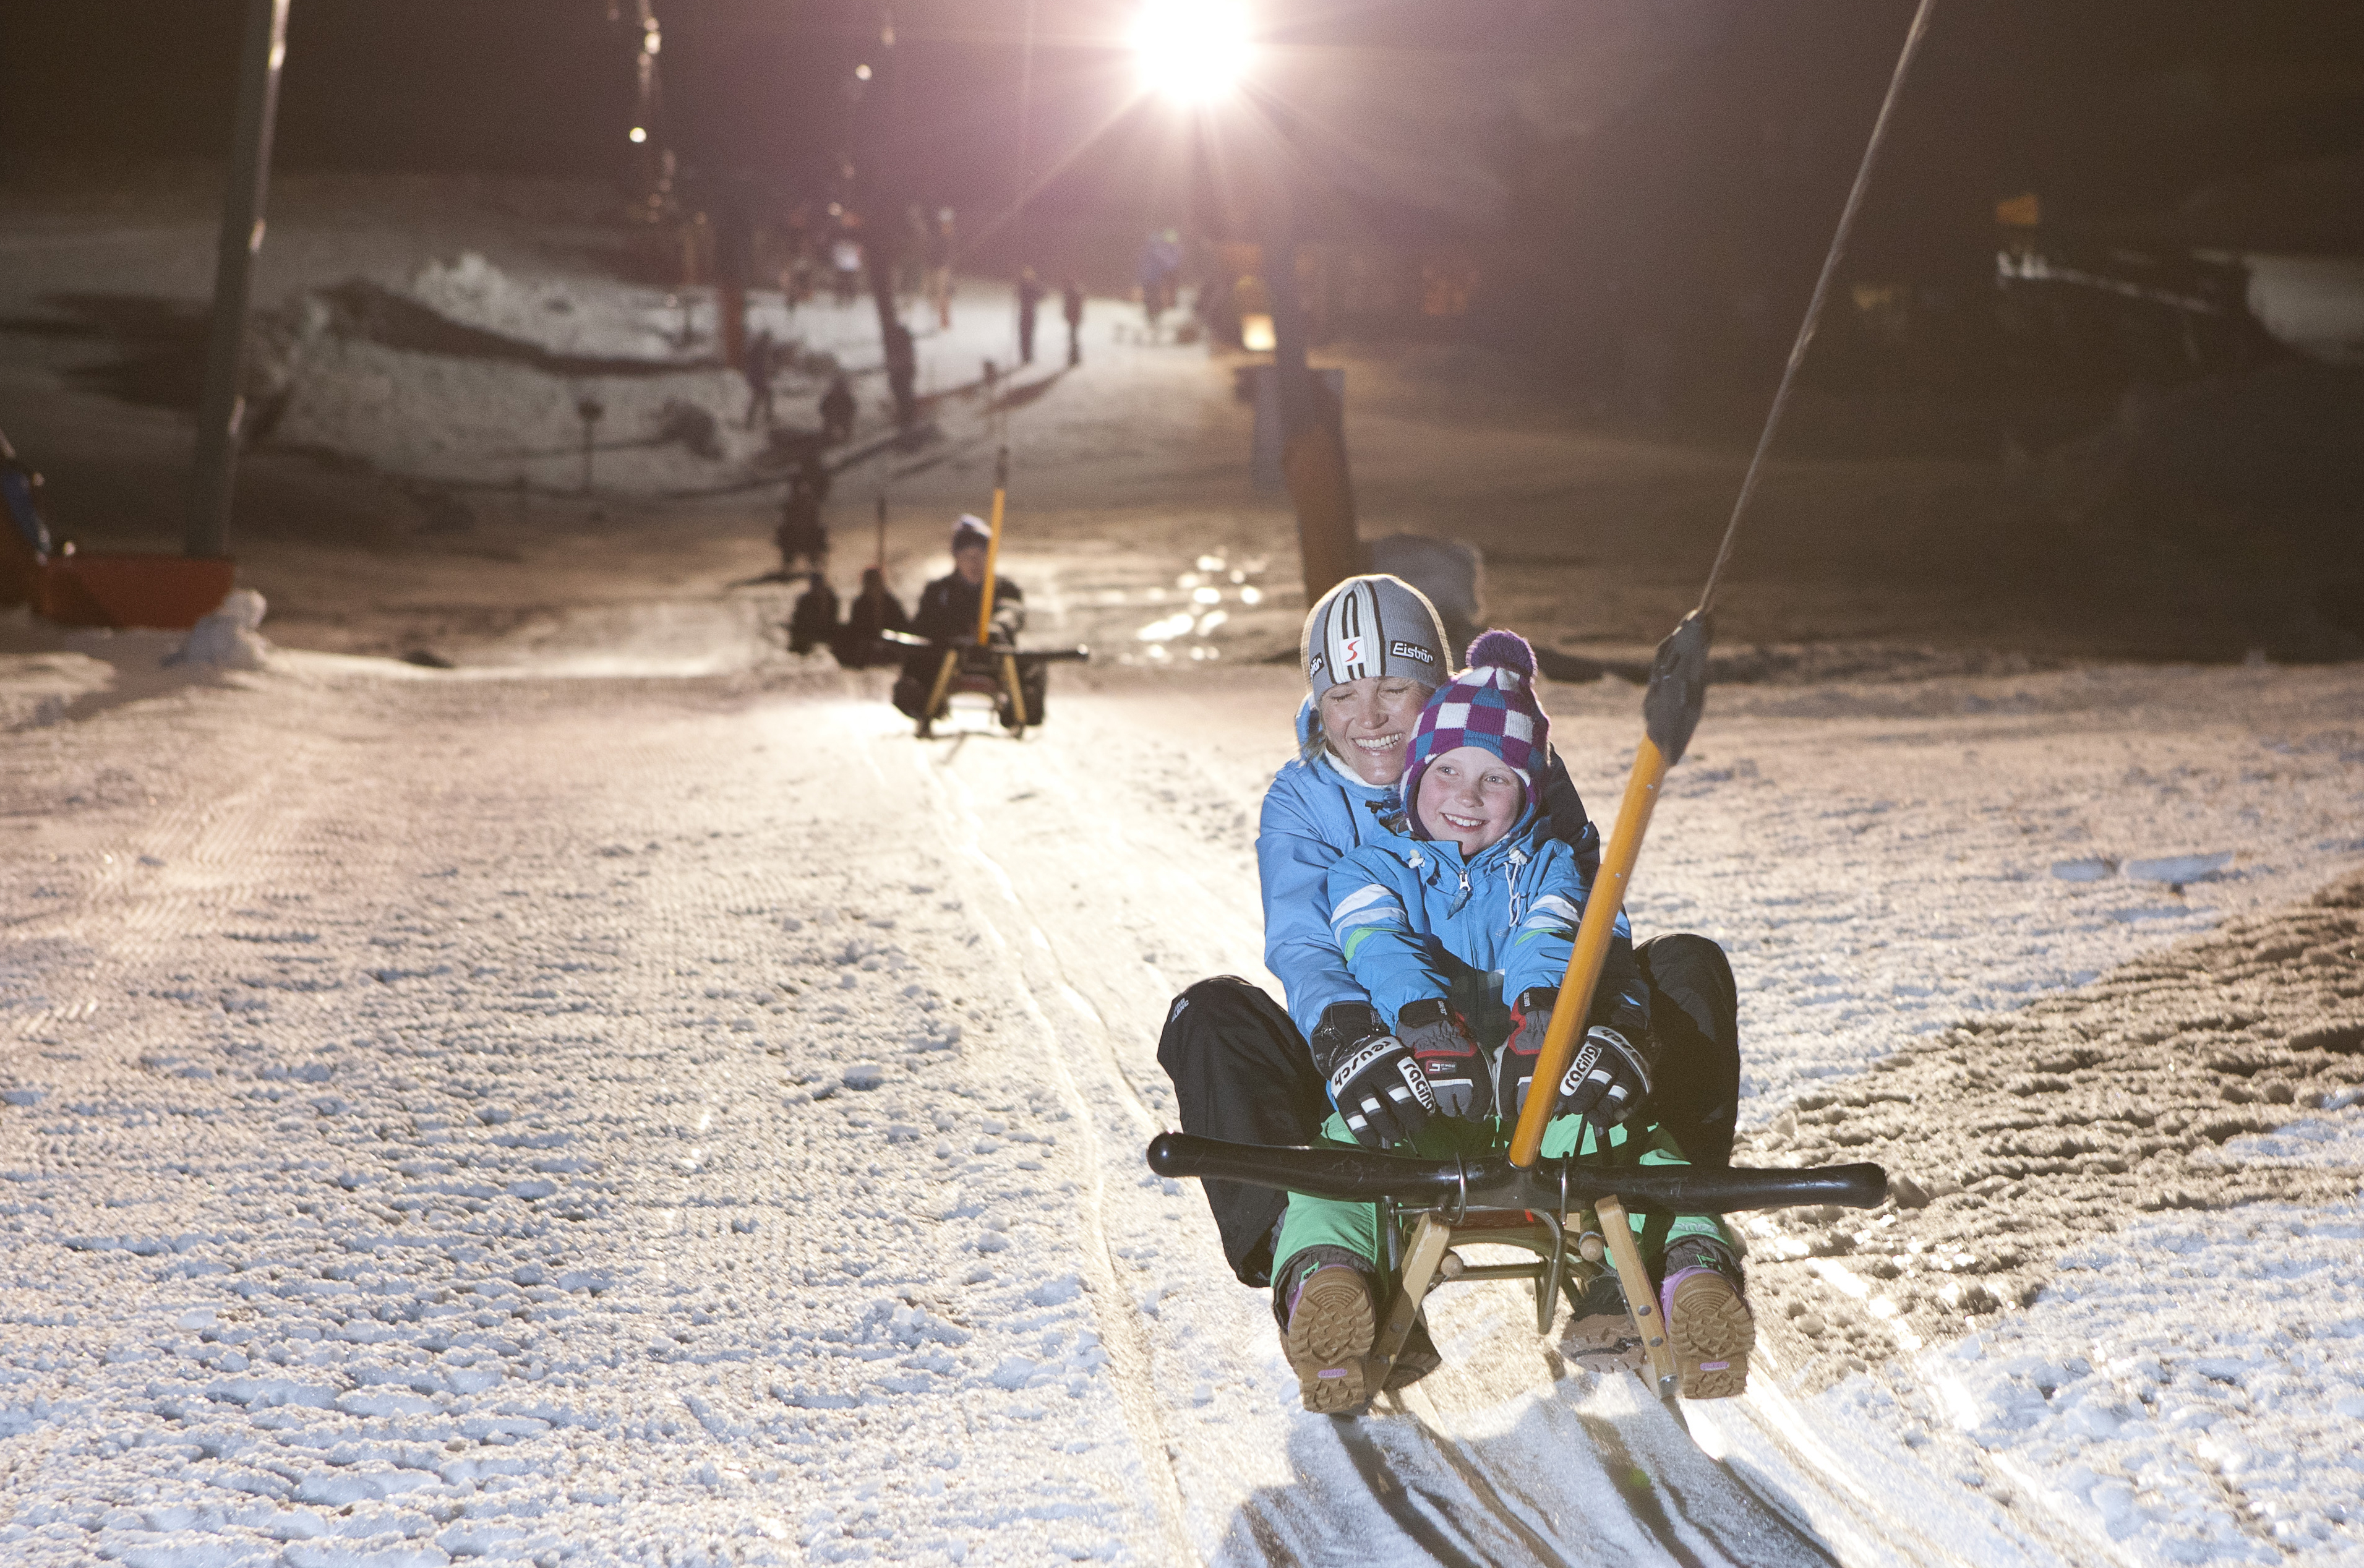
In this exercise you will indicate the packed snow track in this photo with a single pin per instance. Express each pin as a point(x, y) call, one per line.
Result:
point(687, 1120)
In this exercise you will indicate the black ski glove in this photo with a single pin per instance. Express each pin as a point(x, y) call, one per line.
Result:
point(1607, 1079)
point(1373, 1080)
point(1447, 1058)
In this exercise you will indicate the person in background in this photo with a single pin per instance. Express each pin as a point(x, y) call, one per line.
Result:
point(845, 262)
point(941, 247)
point(760, 362)
point(801, 535)
point(873, 611)
point(813, 623)
point(1029, 300)
point(948, 614)
point(25, 541)
point(837, 410)
point(1071, 306)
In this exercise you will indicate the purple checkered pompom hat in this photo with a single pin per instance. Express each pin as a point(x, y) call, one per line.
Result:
point(1490, 706)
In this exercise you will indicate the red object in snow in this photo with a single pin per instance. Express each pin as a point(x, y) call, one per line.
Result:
point(171, 592)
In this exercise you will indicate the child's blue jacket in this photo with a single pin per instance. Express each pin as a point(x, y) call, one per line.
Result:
point(1412, 920)
point(1313, 813)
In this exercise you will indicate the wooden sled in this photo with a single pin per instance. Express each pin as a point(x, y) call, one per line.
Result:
point(1570, 1214)
point(970, 669)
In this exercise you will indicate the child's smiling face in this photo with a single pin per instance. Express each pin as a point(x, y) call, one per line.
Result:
point(1469, 797)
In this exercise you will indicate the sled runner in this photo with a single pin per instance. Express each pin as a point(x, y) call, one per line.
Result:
point(1571, 1214)
point(983, 670)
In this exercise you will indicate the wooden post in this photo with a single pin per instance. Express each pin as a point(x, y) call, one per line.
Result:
point(1313, 427)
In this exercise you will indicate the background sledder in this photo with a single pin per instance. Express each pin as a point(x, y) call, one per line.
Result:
point(964, 637)
point(1460, 932)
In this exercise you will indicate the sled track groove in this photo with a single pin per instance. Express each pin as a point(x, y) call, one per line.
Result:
point(1482, 1487)
point(1437, 1497)
point(1121, 1331)
point(1397, 1498)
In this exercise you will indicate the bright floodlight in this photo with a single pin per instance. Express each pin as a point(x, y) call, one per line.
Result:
point(1192, 50)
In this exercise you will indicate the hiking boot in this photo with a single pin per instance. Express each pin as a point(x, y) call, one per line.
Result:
point(1708, 1325)
point(1328, 1330)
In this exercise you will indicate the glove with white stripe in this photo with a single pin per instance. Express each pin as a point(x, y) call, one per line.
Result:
point(1447, 1058)
point(1607, 1079)
point(1373, 1079)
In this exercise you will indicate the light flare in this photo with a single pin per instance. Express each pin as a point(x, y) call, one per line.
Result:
point(1193, 51)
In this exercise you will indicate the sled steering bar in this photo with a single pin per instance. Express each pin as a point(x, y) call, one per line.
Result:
point(1361, 1175)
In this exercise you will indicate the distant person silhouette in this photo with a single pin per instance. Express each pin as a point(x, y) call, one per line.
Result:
point(874, 610)
point(760, 363)
point(1071, 306)
point(1029, 300)
point(837, 410)
point(801, 535)
point(813, 623)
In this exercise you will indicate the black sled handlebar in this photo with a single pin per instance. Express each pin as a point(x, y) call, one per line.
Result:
point(1361, 1175)
point(987, 650)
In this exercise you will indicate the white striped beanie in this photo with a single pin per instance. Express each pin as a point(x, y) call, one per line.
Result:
point(1373, 625)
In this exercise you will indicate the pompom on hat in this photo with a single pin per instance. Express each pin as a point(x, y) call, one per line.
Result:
point(1490, 706)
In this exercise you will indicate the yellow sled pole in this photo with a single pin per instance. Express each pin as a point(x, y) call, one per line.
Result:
point(993, 546)
point(1671, 710)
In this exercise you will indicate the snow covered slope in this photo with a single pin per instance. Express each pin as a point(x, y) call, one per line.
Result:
point(685, 1120)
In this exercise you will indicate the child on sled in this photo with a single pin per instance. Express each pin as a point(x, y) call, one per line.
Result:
point(1459, 929)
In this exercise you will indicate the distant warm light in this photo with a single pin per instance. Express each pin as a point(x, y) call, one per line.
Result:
point(1256, 333)
point(652, 42)
point(1192, 50)
point(862, 73)
point(640, 134)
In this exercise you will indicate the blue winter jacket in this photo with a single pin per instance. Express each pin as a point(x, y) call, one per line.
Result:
point(1414, 919)
point(1315, 812)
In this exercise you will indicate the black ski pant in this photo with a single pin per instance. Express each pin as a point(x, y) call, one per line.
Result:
point(1243, 1072)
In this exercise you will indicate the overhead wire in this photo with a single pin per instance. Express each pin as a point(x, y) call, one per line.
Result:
point(1821, 296)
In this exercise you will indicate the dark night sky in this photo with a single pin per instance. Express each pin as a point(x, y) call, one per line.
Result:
point(2107, 108)
point(2145, 99)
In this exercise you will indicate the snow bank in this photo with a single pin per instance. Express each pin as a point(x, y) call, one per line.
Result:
point(475, 375)
point(590, 317)
point(228, 638)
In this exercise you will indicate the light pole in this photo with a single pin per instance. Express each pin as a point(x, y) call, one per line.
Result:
point(221, 410)
point(1197, 53)
point(881, 204)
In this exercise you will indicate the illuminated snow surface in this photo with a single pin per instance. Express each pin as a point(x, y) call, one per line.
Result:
point(547, 1119)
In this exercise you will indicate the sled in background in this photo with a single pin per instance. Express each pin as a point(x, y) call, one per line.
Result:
point(981, 668)
point(972, 669)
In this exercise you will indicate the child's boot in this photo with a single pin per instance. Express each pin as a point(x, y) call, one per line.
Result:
point(1707, 1321)
point(1329, 1323)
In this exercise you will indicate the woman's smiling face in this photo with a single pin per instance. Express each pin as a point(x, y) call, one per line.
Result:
point(1368, 723)
point(1469, 797)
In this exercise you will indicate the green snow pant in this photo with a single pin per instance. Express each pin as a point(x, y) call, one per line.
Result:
point(1327, 1222)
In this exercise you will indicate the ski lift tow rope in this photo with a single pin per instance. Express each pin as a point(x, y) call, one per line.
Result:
point(1678, 690)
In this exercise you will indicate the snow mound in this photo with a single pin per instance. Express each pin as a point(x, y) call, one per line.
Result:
point(228, 638)
point(587, 317)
